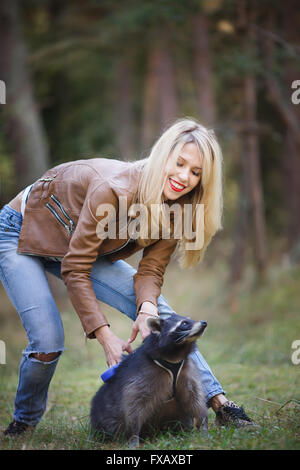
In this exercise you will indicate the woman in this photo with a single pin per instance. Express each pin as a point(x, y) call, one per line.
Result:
point(79, 222)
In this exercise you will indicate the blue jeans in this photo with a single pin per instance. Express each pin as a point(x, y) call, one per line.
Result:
point(25, 281)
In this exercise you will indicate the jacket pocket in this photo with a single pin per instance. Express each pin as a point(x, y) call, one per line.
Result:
point(70, 224)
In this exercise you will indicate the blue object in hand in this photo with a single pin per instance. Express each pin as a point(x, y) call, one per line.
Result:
point(109, 373)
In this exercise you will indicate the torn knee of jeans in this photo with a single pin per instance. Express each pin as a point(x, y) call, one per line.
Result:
point(45, 357)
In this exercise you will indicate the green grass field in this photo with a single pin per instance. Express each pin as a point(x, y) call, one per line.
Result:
point(247, 344)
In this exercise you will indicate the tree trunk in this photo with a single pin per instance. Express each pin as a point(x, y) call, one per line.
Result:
point(242, 220)
point(290, 115)
point(166, 84)
point(124, 120)
point(22, 120)
point(206, 104)
point(150, 100)
point(292, 190)
point(251, 194)
point(255, 183)
point(160, 103)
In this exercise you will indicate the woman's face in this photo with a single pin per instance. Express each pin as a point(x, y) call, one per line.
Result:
point(183, 173)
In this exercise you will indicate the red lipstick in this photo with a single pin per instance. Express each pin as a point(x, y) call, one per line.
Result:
point(174, 188)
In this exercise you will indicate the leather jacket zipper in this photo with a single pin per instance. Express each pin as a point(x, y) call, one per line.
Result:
point(117, 249)
point(123, 246)
point(69, 228)
point(72, 224)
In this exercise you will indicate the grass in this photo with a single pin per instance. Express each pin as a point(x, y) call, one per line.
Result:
point(248, 350)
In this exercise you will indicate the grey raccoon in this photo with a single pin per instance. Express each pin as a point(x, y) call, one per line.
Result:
point(155, 386)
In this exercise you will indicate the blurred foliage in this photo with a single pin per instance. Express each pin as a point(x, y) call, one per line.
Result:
point(74, 48)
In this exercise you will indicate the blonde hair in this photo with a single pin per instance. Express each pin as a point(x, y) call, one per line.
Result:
point(208, 192)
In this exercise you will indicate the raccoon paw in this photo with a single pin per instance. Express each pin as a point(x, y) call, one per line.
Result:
point(134, 441)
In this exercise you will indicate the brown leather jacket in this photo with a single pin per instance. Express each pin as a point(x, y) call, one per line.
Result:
point(60, 220)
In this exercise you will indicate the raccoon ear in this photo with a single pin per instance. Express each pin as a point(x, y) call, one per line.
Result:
point(165, 316)
point(154, 324)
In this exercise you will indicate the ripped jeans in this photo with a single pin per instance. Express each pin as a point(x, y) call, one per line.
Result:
point(24, 279)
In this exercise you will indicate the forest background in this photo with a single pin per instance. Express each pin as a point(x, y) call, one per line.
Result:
point(104, 79)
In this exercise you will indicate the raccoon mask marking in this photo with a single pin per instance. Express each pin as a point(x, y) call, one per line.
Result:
point(173, 337)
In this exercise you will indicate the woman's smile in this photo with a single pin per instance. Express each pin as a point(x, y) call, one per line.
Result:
point(175, 186)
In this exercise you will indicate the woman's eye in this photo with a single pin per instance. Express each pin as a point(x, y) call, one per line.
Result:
point(193, 172)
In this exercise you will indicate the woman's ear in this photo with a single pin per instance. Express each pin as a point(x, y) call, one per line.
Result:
point(154, 323)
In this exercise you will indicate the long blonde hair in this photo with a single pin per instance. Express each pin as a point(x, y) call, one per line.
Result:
point(208, 192)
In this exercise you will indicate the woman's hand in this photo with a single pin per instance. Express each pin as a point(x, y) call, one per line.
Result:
point(113, 346)
point(140, 324)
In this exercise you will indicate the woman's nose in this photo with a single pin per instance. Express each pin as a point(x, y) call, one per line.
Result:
point(184, 177)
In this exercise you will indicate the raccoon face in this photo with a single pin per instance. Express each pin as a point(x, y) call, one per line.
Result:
point(176, 330)
point(188, 331)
